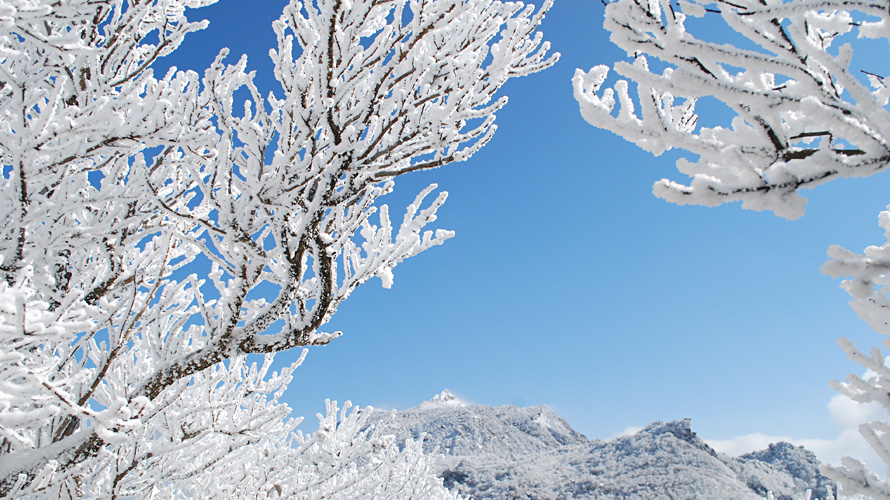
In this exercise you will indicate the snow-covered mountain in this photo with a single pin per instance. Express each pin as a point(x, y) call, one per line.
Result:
point(506, 452)
point(459, 429)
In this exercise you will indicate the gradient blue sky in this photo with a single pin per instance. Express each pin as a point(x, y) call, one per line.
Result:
point(570, 285)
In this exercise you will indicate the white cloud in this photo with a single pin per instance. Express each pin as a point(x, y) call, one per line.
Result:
point(628, 431)
point(845, 413)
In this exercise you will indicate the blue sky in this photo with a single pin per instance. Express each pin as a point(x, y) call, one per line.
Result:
point(569, 284)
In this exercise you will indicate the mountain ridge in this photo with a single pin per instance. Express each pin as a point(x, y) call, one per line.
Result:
point(507, 452)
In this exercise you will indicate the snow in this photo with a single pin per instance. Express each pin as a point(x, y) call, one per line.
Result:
point(444, 398)
point(119, 188)
point(506, 452)
point(754, 158)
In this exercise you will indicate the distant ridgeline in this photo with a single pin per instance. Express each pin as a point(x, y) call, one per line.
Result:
point(509, 453)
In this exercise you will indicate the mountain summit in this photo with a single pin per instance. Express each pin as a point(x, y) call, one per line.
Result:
point(443, 398)
point(455, 428)
point(506, 452)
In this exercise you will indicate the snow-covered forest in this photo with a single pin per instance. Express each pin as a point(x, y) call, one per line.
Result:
point(166, 235)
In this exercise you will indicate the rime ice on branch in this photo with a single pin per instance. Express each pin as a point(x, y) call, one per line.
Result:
point(800, 115)
point(870, 274)
point(122, 368)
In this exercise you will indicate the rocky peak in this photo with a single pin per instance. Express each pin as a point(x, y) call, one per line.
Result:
point(680, 429)
point(796, 461)
point(443, 398)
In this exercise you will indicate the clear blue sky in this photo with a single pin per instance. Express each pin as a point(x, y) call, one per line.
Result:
point(568, 284)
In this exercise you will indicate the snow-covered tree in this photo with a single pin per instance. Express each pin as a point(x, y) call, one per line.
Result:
point(157, 231)
point(796, 112)
point(871, 300)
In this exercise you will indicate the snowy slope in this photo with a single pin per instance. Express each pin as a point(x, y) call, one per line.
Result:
point(456, 428)
point(507, 452)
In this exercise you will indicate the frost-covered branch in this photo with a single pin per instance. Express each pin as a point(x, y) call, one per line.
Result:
point(119, 189)
point(870, 276)
point(797, 114)
point(778, 77)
